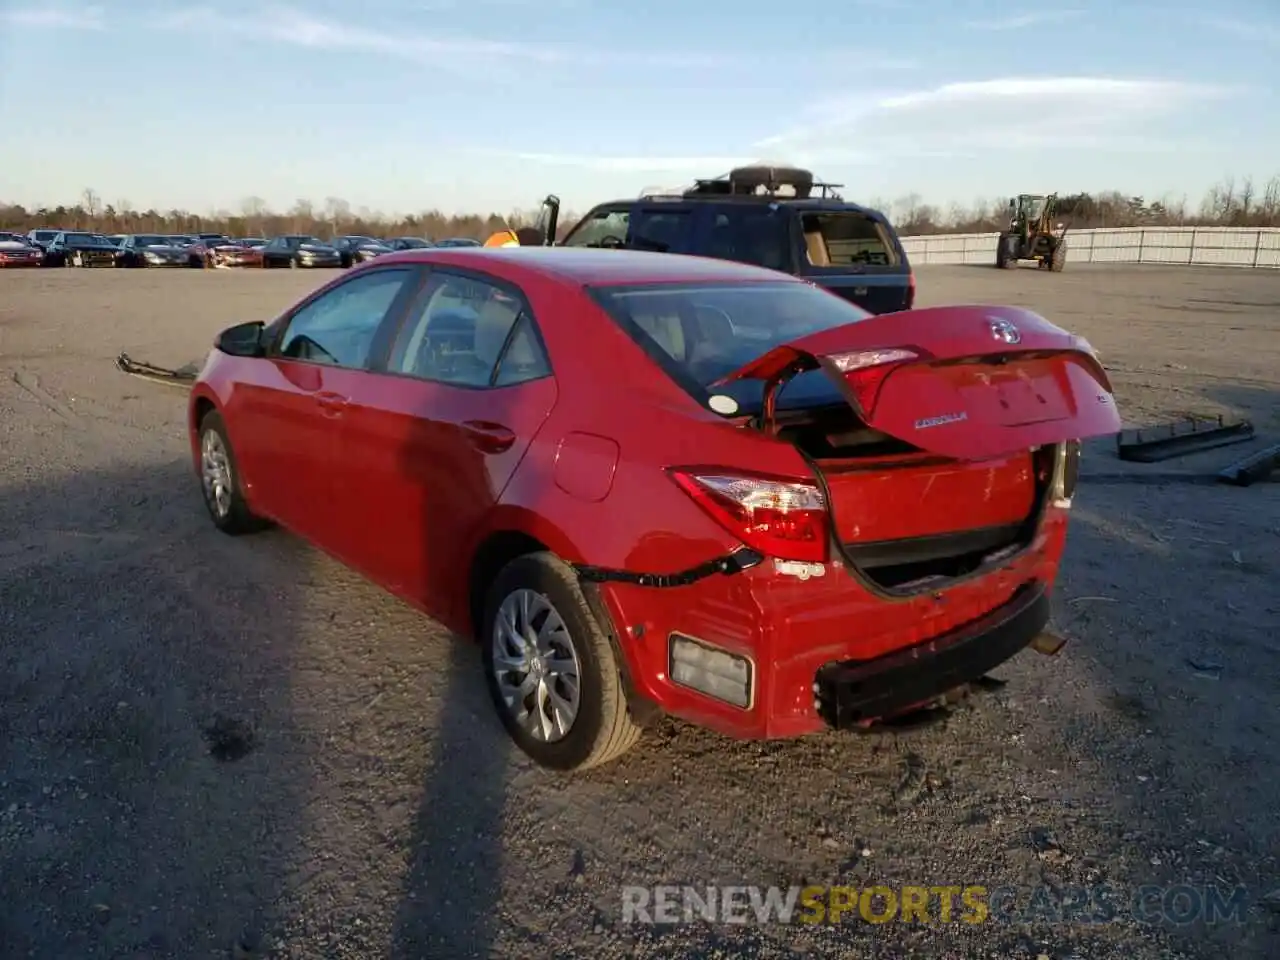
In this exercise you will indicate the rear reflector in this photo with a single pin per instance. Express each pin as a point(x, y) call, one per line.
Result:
point(716, 673)
point(786, 519)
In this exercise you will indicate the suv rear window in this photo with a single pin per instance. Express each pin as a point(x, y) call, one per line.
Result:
point(699, 333)
point(847, 239)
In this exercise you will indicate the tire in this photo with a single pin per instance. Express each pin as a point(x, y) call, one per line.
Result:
point(230, 515)
point(1059, 258)
point(601, 728)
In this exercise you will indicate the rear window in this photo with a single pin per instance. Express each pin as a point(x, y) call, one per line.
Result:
point(847, 239)
point(700, 333)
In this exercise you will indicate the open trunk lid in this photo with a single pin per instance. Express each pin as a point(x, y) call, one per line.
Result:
point(960, 382)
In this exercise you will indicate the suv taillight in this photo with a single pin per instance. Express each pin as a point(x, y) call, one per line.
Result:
point(786, 519)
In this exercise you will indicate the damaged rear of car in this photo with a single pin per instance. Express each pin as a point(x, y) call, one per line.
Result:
point(895, 490)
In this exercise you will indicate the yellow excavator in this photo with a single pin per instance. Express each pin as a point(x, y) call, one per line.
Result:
point(1032, 234)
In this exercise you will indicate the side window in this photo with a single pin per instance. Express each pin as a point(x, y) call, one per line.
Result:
point(659, 230)
point(338, 327)
point(751, 235)
point(524, 358)
point(601, 224)
point(458, 335)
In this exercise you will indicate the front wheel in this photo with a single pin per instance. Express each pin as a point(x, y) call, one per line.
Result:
point(551, 670)
point(220, 480)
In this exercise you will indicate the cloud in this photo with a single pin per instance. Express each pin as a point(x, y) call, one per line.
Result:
point(1023, 20)
point(288, 25)
point(56, 18)
point(1010, 112)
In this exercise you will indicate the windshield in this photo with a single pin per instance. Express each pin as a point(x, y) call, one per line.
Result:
point(88, 240)
point(703, 332)
point(151, 241)
point(12, 238)
point(307, 242)
point(44, 236)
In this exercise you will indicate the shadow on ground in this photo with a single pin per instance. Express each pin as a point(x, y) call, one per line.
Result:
point(151, 789)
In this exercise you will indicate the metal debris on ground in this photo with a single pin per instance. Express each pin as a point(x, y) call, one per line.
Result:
point(1253, 468)
point(1152, 444)
point(180, 377)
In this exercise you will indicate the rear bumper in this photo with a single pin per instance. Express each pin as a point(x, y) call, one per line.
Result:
point(853, 692)
point(828, 651)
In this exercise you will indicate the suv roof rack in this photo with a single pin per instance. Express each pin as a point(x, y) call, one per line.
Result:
point(757, 182)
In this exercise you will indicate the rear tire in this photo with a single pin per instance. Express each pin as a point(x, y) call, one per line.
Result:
point(220, 480)
point(538, 596)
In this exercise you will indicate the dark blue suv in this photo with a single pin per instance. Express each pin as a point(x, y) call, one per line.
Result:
point(766, 216)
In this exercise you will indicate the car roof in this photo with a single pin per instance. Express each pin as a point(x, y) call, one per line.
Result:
point(584, 266)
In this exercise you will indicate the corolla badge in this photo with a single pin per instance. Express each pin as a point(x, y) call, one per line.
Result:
point(1003, 330)
point(938, 421)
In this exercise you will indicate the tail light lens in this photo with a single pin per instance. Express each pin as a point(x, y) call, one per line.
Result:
point(786, 519)
point(865, 371)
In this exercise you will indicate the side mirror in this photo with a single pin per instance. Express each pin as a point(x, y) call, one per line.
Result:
point(243, 340)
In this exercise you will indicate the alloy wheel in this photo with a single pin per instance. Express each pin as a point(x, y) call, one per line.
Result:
point(536, 665)
point(215, 474)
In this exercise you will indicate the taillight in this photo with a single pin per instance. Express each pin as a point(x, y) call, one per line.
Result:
point(911, 291)
point(786, 519)
point(865, 371)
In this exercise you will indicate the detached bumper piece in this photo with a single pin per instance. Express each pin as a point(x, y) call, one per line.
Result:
point(852, 693)
point(182, 377)
point(1153, 444)
point(1252, 469)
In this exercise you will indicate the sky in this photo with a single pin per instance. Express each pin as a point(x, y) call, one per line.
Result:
point(397, 106)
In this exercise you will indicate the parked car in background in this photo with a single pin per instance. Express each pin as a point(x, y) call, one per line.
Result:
point(238, 253)
point(357, 249)
point(299, 250)
point(150, 250)
point(775, 217)
point(458, 242)
point(200, 250)
point(41, 237)
point(77, 249)
point(409, 243)
point(810, 517)
point(17, 251)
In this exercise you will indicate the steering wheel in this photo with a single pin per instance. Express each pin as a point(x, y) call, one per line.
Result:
point(612, 242)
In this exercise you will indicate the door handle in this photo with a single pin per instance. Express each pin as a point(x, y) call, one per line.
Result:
point(331, 404)
point(488, 437)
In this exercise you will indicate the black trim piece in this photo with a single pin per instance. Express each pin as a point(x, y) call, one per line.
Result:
point(643, 710)
point(736, 562)
point(855, 692)
point(875, 554)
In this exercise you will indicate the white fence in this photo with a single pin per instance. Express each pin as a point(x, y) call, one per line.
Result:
point(1200, 246)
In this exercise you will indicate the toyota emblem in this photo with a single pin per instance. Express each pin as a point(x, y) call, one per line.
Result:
point(1004, 331)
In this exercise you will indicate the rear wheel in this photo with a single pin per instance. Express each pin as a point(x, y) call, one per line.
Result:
point(551, 670)
point(220, 480)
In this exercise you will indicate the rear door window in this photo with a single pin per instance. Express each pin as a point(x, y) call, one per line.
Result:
point(847, 239)
point(752, 234)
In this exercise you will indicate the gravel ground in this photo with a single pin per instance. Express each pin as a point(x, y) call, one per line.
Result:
point(214, 747)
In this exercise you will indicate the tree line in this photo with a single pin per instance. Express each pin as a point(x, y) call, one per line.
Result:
point(1239, 203)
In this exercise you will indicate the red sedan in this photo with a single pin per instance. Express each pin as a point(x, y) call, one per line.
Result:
point(649, 482)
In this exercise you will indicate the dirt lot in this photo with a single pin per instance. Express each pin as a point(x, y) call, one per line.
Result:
point(379, 811)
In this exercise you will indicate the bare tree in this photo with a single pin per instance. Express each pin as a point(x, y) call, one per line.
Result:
point(91, 202)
